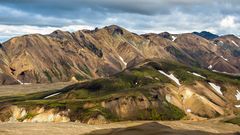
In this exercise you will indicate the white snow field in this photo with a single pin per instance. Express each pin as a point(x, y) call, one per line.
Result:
point(171, 76)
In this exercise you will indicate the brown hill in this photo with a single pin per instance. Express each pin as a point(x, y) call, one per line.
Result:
point(61, 56)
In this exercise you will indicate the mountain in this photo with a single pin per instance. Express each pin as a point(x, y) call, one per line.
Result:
point(151, 90)
point(123, 76)
point(85, 54)
point(206, 34)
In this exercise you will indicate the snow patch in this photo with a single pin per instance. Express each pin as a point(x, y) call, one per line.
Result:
point(168, 98)
point(222, 72)
point(20, 82)
point(189, 110)
point(196, 74)
point(224, 58)
point(27, 83)
point(210, 67)
point(171, 76)
point(237, 106)
point(174, 38)
point(125, 63)
point(238, 95)
point(235, 43)
point(216, 88)
point(52, 95)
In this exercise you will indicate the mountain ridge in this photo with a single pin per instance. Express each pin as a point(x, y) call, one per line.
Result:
point(86, 54)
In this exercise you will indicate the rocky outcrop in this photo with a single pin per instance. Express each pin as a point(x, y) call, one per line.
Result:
point(186, 98)
point(38, 114)
point(99, 119)
point(127, 107)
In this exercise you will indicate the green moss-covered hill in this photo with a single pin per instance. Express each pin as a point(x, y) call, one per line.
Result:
point(137, 93)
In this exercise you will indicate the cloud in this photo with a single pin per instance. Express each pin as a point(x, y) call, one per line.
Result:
point(140, 16)
point(9, 31)
point(149, 7)
point(228, 22)
point(14, 16)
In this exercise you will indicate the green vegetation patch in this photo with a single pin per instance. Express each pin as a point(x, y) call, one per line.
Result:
point(166, 111)
point(235, 120)
point(28, 116)
point(142, 76)
point(86, 114)
point(181, 72)
point(79, 77)
point(47, 74)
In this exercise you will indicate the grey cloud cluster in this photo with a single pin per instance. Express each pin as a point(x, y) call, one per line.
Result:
point(148, 7)
point(219, 16)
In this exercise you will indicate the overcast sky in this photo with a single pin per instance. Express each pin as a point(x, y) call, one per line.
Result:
point(19, 17)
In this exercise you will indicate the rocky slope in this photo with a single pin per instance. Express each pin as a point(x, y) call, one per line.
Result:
point(62, 56)
point(151, 90)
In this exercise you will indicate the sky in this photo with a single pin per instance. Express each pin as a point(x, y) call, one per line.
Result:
point(19, 17)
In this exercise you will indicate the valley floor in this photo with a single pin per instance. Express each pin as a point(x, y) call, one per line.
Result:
point(127, 128)
point(17, 90)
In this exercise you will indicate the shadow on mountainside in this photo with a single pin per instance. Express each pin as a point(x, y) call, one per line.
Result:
point(152, 128)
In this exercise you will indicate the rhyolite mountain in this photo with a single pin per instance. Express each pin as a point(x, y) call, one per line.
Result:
point(89, 54)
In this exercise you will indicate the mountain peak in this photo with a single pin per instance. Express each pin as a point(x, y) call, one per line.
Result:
point(60, 34)
point(165, 35)
point(115, 29)
point(113, 26)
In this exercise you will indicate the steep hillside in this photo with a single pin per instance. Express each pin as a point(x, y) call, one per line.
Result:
point(5, 73)
point(63, 55)
point(229, 49)
point(85, 54)
point(151, 90)
point(206, 53)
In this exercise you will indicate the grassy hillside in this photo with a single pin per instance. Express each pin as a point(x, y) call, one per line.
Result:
point(131, 88)
point(235, 120)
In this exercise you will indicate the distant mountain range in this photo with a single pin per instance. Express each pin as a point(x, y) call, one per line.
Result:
point(87, 54)
point(206, 35)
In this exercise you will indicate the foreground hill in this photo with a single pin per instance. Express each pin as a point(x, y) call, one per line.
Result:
point(81, 55)
point(151, 90)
